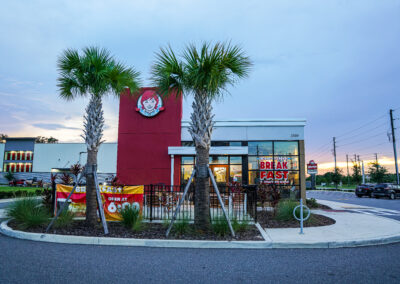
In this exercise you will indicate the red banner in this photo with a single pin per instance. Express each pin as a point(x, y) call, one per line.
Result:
point(113, 199)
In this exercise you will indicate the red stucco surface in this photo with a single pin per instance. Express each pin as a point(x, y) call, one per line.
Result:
point(143, 142)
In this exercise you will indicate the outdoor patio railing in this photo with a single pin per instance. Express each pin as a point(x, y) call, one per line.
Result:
point(160, 202)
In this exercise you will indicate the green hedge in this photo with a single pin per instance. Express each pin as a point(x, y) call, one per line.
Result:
point(19, 193)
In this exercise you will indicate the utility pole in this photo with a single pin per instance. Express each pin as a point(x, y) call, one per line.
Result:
point(348, 175)
point(394, 146)
point(376, 158)
point(363, 174)
point(334, 154)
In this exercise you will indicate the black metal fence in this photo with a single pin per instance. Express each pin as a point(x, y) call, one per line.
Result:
point(161, 201)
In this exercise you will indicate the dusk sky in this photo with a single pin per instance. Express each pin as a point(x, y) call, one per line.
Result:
point(334, 63)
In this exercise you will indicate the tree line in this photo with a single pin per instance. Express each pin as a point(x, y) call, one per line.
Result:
point(376, 173)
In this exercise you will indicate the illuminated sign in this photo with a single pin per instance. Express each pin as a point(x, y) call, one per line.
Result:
point(312, 168)
point(149, 104)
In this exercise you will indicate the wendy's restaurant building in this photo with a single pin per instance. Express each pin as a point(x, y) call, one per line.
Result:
point(155, 148)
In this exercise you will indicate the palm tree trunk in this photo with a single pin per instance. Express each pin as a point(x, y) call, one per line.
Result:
point(201, 128)
point(93, 133)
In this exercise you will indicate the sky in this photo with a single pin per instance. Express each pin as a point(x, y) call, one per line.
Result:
point(334, 63)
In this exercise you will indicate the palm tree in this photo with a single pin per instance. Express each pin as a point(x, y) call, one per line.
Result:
point(94, 74)
point(204, 73)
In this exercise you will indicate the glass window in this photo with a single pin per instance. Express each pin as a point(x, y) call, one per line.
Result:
point(234, 143)
point(286, 163)
point(218, 160)
point(236, 160)
point(186, 172)
point(260, 148)
point(254, 177)
point(255, 162)
point(235, 173)
point(187, 160)
point(219, 143)
point(187, 143)
point(286, 148)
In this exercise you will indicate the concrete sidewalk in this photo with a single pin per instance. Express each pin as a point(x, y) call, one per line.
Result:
point(350, 229)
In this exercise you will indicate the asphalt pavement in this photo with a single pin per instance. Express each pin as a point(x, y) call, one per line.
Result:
point(383, 206)
point(36, 262)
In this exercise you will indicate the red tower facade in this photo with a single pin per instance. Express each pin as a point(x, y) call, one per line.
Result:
point(143, 141)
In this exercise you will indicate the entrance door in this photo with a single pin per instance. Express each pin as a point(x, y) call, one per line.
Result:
point(220, 173)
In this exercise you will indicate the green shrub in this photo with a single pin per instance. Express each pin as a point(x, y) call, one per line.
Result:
point(181, 226)
point(240, 226)
point(312, 203)
point(131, 218)
point(220, 226)
point(285, 210)
point(28, 212)
point(65, 219)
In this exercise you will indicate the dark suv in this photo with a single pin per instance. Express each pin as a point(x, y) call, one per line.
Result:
point(364, 189)
point(386, 190)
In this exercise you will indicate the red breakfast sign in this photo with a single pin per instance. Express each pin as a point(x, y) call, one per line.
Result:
point(312, 167)
point(274, 172)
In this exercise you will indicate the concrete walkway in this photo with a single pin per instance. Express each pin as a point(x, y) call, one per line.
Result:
point(351, 229)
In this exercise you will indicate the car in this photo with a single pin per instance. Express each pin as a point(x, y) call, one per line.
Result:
point(386, 190)
point(364, 189)
point(17, 182)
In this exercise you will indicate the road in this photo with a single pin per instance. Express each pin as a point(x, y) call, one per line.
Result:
point(36, 262)
point(384, 207)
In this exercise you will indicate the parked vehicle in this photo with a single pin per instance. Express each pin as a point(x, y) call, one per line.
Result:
point(364, 189)
point(386, 190)
point(17, 182)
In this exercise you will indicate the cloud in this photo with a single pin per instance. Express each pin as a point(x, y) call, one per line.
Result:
point(53, 126)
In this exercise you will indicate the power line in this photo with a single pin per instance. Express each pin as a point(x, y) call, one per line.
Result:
point(369, 123)
point(347, 138)
point(362, 140)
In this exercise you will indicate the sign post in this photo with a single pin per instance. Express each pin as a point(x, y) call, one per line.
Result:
point(312, 169)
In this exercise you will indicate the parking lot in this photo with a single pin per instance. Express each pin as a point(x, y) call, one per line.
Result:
point(383, 206)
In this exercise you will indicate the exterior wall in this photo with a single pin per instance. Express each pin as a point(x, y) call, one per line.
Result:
point(143, 142)
point(2, 146)
point(253, 130)
point(63, 155)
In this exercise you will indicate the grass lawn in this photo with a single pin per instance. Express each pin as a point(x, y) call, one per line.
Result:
point(19, 188)
point(350, 186)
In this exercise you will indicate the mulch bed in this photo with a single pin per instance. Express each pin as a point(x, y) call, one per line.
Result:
point(267, 220)
point(150, 231)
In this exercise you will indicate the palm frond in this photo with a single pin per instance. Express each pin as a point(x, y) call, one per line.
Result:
point(167, 72)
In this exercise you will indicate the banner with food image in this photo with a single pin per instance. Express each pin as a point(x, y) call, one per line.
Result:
point(113, 198)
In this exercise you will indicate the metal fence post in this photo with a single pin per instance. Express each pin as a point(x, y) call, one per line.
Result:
point(151, 202)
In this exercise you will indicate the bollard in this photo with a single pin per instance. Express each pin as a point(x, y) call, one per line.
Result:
point(301, 219)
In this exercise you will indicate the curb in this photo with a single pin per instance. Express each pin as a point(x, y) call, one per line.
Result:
point(53, 238)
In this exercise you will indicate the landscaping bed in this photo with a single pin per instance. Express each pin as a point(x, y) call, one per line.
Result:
point(149, 231)
point(268, 220)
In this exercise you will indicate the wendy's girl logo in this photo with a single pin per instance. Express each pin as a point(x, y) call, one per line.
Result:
point(149, 104)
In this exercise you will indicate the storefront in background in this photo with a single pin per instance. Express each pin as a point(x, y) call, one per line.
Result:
point(155, 146)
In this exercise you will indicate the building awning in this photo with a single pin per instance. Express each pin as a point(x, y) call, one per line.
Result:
point(221, 150)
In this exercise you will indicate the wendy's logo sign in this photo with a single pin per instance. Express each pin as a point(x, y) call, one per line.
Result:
point(149, 104)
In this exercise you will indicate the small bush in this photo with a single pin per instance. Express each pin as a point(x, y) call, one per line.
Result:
point(181, 227)
point(220, 226)
point(65, 219)
point(28, 212)
point(285, 210)
point(312, 203)
point(240, 226)
point(131, 218)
